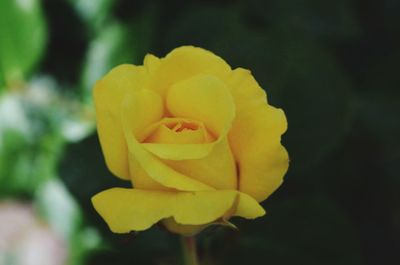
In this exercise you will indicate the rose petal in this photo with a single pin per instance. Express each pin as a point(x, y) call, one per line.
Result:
point(133, 110)
point(152, 63)
point(255, 138)
point(126, 210)
point(217, 169)
point(109, 93)
point(179, 152)
point(245, 206)
point(245, 89)
point(204, 98)
point(184, 62)
point(140, 179)
point(248, 207)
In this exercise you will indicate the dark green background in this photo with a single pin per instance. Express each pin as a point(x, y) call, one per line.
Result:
point(333, 66)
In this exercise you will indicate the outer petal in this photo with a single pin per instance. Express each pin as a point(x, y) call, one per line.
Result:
point(140, 179)
point(152, 63)
point(244, 206)
point(248, 207)
point(108, 95)
point(132, 113)
point(184, 62)
point(126, 210)
point(245, 89)
point(255, 138)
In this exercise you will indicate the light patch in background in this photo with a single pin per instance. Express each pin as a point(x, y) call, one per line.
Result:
point(42, 91)
point(12, 116)
point(26, 5)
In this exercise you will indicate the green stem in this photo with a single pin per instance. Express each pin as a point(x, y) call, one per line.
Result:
point(189, 250)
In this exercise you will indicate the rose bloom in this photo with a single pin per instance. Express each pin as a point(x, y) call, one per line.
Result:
point(197, 140)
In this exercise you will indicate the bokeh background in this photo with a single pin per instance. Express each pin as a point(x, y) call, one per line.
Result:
point(333, 66)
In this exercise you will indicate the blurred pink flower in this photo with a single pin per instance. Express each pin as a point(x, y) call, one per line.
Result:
point(26, 240)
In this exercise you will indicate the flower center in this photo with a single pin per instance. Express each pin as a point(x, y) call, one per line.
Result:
point(182, 126)
point(177, 131)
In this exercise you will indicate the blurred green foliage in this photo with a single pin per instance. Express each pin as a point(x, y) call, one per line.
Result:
point(332, 66)
point(23, 35)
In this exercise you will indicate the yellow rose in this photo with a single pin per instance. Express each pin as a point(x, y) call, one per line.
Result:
point(197, 140)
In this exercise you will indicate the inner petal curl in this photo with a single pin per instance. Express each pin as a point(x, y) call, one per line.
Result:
point(177, 131)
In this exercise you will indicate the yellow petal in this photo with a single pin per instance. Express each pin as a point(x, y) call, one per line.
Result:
point(244, 206)
point(179, 151)
point(140, 179)
point(204, 98)
point(255, 138)
point(184, 62)
point(147, 109)
point(126, 210)
point(245, 89)
point(151, 62)
point(108, 95)
point(133, 110)
point(217, 169)
point(262, 160)
point(248, 207)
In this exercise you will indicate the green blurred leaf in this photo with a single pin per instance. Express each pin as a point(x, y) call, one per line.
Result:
point(30, 142)
point(23, 37)
point(2, 83)
point(13, 175)
point(26, 165)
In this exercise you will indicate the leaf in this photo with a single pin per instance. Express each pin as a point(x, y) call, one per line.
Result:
point(23, 36)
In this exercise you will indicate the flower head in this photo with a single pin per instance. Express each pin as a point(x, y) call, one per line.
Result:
point(198, 141)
